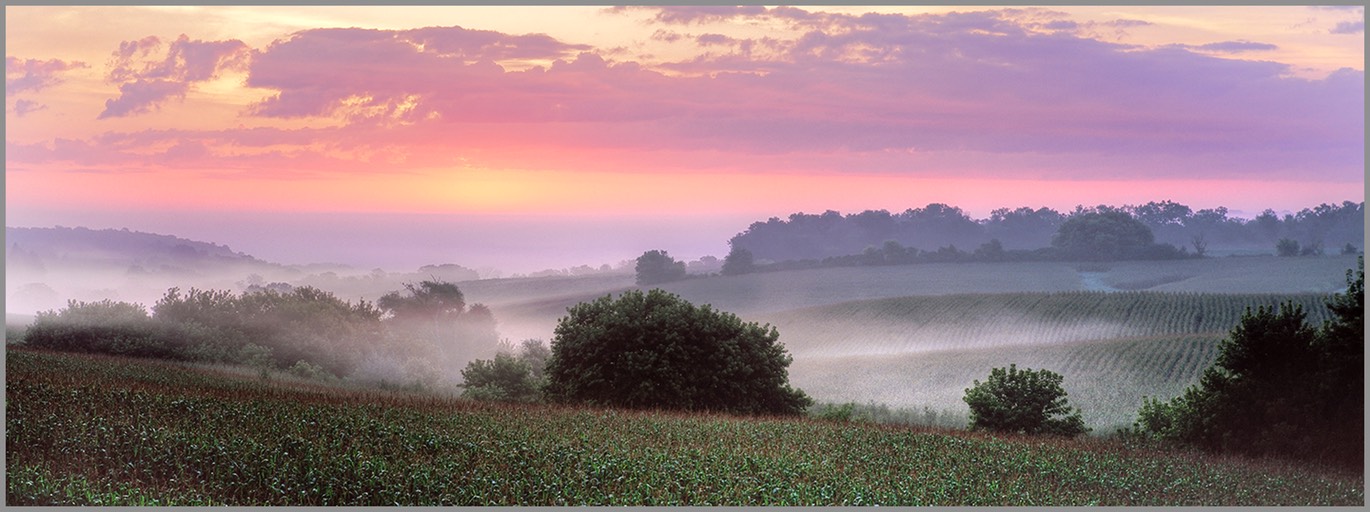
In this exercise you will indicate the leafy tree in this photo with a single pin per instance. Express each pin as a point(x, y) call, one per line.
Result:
point(1278, 387)
point(655, 267)
point(739, 261)
point(1102, 236)
point(655, 350)
point(428, 300)
point(1287, 247)
point(1023, 402)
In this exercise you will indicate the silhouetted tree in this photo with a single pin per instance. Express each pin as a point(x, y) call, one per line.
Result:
point(428, 300)
point(738, 262)
point(1102, 236)
point(655, 267)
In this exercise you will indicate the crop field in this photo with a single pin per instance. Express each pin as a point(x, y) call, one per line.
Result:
point(1112, 348)
point(86, 430)
point(530, 309)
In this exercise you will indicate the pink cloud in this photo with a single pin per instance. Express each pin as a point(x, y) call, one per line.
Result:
point(31, 75)
point(146, 83)
point(982, 92)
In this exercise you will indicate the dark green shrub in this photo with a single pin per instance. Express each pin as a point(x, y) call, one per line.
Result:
point(655, 350)
point(505, 378)
point(1023, 402)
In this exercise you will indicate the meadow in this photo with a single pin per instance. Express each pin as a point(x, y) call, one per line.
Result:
point(94, 430)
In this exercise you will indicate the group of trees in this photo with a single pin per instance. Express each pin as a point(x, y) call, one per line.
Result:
point(275, 328)
point(1279, 387)
point(1023, 231)
point(649, 350)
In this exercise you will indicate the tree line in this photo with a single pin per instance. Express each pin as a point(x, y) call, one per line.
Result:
point(832, 235)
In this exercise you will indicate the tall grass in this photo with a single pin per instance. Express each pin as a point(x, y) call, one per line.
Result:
point(109, 431)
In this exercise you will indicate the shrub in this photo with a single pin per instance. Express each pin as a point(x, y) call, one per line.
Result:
point(1024, 402)
point(655, 350)
point(505, 378)
point(106, 327)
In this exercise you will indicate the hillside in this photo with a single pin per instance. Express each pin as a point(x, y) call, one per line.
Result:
point(1112, 348)
point(84, 430)
point(534, 314)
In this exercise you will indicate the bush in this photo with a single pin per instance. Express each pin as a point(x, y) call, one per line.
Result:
point(1287, 247)
point(105, 327)
point(1023, 402)
point(655, 350)
point(505, 378)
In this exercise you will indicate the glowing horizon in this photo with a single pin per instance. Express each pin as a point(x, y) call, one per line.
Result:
point(718, 112)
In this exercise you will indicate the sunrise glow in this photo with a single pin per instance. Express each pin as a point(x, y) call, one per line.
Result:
point(117, 113)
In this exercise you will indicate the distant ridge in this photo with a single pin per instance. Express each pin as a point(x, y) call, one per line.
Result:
point(82, 243)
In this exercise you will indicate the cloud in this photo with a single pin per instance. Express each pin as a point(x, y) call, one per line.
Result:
point(26, 107)
point(1349, 27)
point(1232, 47)
point(32, 75)
point(989, 92)
point(146, 80)
point(697, 14)
point(142, 96)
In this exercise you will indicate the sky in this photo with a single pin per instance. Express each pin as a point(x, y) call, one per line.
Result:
point(524, 138)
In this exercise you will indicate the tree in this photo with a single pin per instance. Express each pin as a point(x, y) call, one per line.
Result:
point(739, 261)
point(428, 300)
point(655, 267)
point(1279, 387)
point(655, 350)
point(1102, 236)
point(1023, 402)
point(1287, 247)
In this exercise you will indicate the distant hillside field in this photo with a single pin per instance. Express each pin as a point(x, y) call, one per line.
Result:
point(534, 310)
point(1112, 348)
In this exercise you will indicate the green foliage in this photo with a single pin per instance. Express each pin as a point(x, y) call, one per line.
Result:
point(1102, 236)
point(843, 413)
point(108, 432)
point(304, 370)
point(1023, 402)
point(106, 326)
point(655, 267)
point(655, 350)
point(1279, 387)
point(738, 261)
point(506, 378)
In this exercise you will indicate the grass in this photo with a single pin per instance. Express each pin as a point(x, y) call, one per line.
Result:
point(87, 430)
